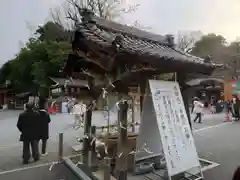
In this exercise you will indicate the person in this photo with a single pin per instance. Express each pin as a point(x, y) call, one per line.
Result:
point(70, 105)
point(229, 107)
point(212, 108)
point(79, 110)
point(236, 105)
point(27, 125)
point(43, 127)
point(193, 99)
point(64, 107)
point(198, 109)
point(236, 175)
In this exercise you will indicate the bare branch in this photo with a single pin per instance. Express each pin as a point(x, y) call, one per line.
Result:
point(56, 14)
point(186, 40)
point(138, 25)
point(130, 8)
point(108, 9)
point(72, 16)
point(70, 12)
point(100, 8)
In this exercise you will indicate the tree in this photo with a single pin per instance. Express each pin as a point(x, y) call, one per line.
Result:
point(108, 9)
point(232, 61)
point(4, 74)
point(53, 32)
point(216, 46)
point(211, 44)
point(49, 63)
point(186, 40)
point(35, 63)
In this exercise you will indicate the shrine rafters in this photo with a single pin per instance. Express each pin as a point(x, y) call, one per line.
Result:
point(110, 53)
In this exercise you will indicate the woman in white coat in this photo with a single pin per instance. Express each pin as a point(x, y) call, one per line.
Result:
point(198, 110)
point(79, 110)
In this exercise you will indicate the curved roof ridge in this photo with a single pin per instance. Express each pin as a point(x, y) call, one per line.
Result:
point(133, 31)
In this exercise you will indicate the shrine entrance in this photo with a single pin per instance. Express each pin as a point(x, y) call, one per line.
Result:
point(115, 58)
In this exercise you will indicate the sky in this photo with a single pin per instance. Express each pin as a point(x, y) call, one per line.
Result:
point(19, 19)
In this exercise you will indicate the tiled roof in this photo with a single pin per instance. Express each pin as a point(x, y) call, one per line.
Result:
point(76, 82)
point(199, 81)
point(136, 41)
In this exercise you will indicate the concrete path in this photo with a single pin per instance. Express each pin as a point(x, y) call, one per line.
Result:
point(209, 120)
point(11, 148)
point(215, 140)
point(220, 144)
point(41, 172)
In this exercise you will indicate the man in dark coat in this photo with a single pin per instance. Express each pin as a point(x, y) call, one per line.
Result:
point(27, 125)
point(44, 120)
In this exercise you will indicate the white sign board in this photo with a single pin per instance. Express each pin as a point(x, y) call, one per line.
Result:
point(177, 140)
point(165, 127)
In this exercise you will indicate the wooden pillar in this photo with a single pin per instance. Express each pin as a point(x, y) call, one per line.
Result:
point(107, 169)
point(87, 129)
point(133, 113)
point(121, 161)
point(106, 109)
point(185, 101)
point(87, 126)
point(5, 98)
point(181, 78)
point(1, 98)
point(93, 146)
point(142, 93)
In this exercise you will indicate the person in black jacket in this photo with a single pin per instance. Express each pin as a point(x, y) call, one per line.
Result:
point(27, 125)
point(236, 175)
point(236, 105)
point(44, 120)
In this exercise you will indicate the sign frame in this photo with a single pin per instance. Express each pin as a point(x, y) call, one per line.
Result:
point(183, 160)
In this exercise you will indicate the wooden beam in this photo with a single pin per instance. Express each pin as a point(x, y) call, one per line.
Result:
point(92, 59)
point(142, 92)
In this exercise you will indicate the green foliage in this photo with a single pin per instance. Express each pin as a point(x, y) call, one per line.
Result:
point(35, 63)
point(216, 46)
point(53, 32)
point(41, 58)
point(210, 44)
point(4, 73)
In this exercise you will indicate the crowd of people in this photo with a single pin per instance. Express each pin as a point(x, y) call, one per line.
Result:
point(33, 125)
point(232, 107)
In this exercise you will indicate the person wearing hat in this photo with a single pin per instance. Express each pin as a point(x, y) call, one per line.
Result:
point(27, 125)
